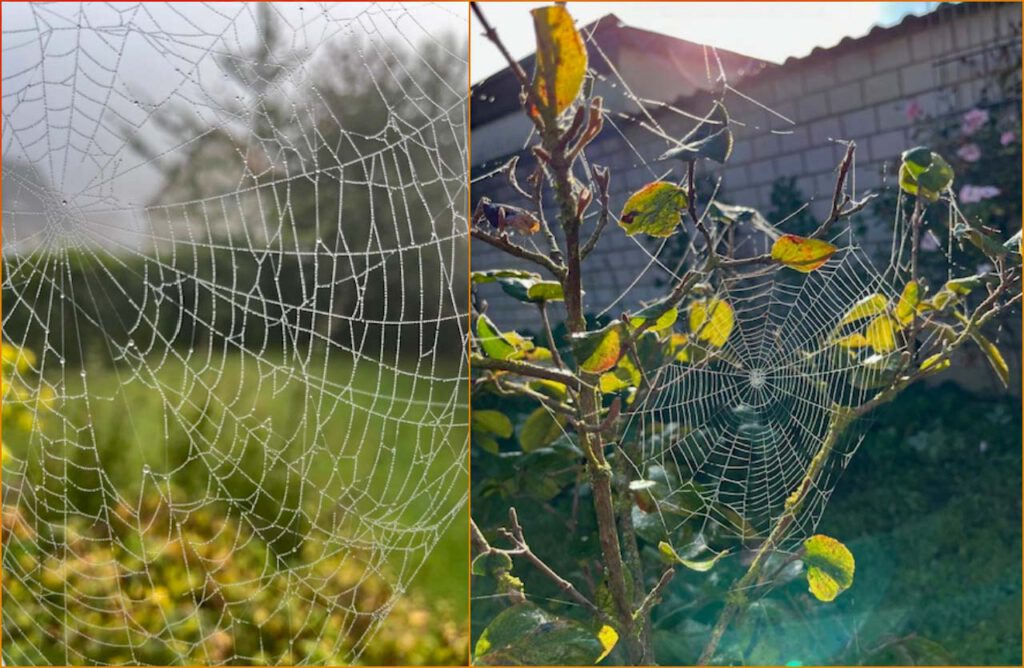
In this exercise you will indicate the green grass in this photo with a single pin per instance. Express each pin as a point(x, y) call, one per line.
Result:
point(304, 451)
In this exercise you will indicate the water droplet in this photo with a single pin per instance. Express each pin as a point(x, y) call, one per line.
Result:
point(82, 373)
point(145, 469)
point(63, 202)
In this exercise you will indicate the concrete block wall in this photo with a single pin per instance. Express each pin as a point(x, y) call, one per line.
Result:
point(856, 91)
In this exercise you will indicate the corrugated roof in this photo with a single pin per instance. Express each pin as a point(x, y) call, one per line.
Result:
point(498, 94)
point(503, 87)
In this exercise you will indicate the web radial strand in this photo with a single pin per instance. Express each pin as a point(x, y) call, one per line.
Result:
point(235, 242)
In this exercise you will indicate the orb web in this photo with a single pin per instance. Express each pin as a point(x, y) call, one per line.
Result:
point(234, 249)
point(744, 424)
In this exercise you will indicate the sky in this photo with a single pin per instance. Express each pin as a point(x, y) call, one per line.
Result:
point(768, 30)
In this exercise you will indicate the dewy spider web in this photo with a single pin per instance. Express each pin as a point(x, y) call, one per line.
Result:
point(733, 436)
point(744, 426)
point(729, 439)
point(234, 243)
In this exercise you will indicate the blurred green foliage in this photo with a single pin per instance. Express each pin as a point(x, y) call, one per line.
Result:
point(124, 565)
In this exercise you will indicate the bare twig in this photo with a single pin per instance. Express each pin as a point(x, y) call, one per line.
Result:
point(522, 549)
point(543, 308)
point(691, 208)
point(654, 596)
point(525, 369)
point(602, 180)
point(514, 249)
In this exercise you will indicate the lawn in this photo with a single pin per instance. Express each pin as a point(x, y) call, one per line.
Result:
point(245, 490)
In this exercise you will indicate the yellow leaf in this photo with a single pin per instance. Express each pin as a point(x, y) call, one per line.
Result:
point(995, 358)
point(613, 381)
point(608, 637)
point(865, 308)
point(909, 303)
point(699, 565)
point(800, 253)
point(855, 340)
point(561, 58)
point(679, 344)
point(653, 210)
point(711, 321)
point(881, 334)
point(935, 363)
point(830, 567)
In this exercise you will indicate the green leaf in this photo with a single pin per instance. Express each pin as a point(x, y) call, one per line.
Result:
point(699, 565)
point(985, 242)
point(800, 253)
point(492, 422)
point(924, 172)
point(532, 290)
point(487, 444)
point(663, 318)
point(539, 429)
point(995, 358)
point(561, 58)
point(493, 342)
point(653, 210)
point(865, 308)
point(599, 351)
point(493, 275)
point(491, 564)
point(830, 567)
point(711, 321)
point(525, 635)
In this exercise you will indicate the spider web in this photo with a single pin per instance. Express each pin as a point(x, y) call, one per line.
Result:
point(729, 439)
point(234, 240)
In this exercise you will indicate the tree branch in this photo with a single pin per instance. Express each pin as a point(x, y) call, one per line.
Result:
point(525, 369)
point(514, 249)
point(522, 549)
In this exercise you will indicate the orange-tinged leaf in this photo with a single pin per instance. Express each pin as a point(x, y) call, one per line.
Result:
point(801, 253)
point(599, 351)
point(561, 58)
point(653, 210)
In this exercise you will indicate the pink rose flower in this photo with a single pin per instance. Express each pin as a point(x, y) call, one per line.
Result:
point(973, 121)
point(913, 110)
point(973, 194)
point(1007, 137)
point(969, 152)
